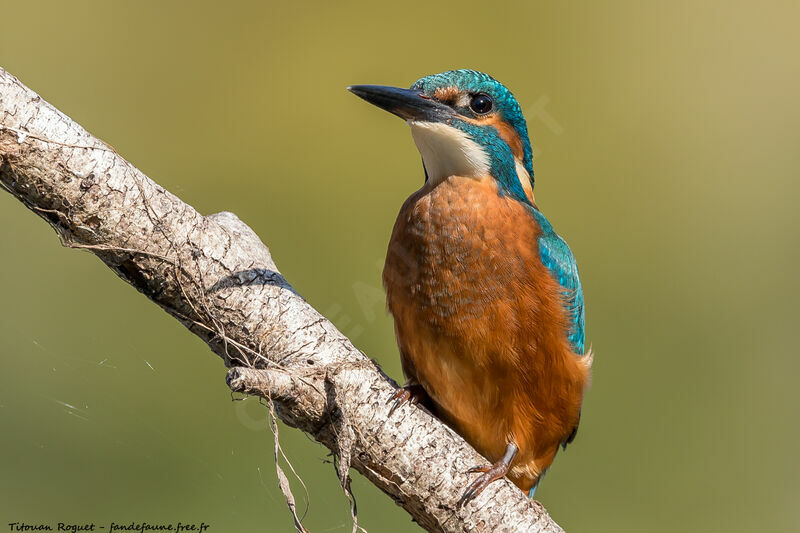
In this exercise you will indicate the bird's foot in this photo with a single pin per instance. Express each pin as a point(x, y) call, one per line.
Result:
point(489, 474)
point(413, 393)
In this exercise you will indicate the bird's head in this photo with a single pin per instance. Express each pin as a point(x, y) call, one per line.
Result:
point(464, 123)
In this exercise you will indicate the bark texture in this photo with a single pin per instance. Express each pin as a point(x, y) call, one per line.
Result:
point(215, 276)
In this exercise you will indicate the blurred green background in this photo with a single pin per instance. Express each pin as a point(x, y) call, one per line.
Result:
point(666, 145)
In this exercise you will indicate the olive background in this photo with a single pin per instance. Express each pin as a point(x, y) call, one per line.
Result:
point(666, 145)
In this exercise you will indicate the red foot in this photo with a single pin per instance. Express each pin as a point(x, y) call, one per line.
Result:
point(489, 474)
point(409, 393)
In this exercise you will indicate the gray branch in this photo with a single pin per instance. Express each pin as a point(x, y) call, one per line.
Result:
point(215, 276)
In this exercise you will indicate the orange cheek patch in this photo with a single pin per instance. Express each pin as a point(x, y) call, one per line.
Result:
point(510, 136)
point(506, 132)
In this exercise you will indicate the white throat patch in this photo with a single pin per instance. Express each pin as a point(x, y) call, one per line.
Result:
point(447, 151)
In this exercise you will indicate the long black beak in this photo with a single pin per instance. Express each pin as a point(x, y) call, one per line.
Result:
point(405, 103)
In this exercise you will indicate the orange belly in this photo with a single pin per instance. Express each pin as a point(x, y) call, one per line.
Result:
point(480, 322)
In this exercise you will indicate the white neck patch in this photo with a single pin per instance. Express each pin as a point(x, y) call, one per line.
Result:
point(447, 151)
point(524, 179)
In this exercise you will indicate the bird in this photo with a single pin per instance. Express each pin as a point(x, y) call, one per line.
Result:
point(487, 304)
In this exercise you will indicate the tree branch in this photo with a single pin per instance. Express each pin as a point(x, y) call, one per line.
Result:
point(216, 277)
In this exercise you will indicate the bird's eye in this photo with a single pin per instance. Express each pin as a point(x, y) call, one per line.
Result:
point(480, 103)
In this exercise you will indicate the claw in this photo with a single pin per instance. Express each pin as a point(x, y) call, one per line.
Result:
point(489, 474)
point(409, 393)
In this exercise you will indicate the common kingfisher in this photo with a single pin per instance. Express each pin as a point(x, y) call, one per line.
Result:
point(487, 305)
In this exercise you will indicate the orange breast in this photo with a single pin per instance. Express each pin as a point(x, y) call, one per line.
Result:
point(480, 323)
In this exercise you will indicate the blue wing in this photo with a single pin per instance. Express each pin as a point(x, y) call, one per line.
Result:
point(558, 259)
